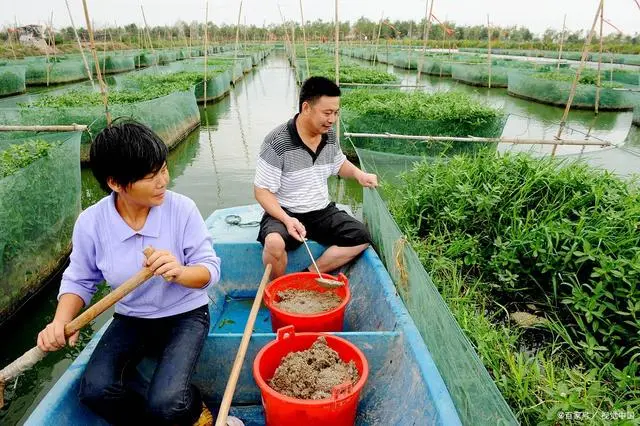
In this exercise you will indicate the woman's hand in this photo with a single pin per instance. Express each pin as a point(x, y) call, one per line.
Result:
point(163, 262)
point(52, 337)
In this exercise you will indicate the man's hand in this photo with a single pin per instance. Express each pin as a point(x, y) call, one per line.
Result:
point(295, 228)
point(368, 180)
point(163, 262)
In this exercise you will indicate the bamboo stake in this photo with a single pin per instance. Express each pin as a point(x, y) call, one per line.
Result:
point(598, 82)
point(206, 48)
point(46, 52)
point(489, 47)
point(104, 51)
point(15, 31)
point(382, 85)
point(103, 89)
point(564, 21)
point(84, 58)
point(375, 52)
point(515, 141)
point(235, 53)
point(337, 60)
point(304, 38)
point(153, 52)
point(52, 36)
point(41, 128)
point(425, 35)
point(574, 85)
point(410, 42)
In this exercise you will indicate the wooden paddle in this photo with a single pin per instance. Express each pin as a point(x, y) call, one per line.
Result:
point(35, 354)
point(221, 420)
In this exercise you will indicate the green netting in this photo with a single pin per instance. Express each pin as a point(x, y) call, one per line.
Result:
point(557, 93)
point(64, 71)
point(474, 393)
point(437, 67)
point(218, 85)
point(478, 75)
point(38, 207)
point(622, 76)
point(444, 114)
point(172, 117)
point(167, 56)
point(12, 80)
point(112, 64)
point(145, 59)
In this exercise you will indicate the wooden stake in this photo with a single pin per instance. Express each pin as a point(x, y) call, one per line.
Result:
point(304, 38)
point(206, 48)
point(489, 48)
point(84, 58)
point(598, 82)
point(425, 36)
point(60, 128)
point(574, 86)
point(410, 42)
point(375, 52)
point(337, 52)
point(153, 52)
point(235, 53)
point(564, 21)
point(103, 89)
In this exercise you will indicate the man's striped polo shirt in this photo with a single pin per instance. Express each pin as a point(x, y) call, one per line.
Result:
point(293, 172)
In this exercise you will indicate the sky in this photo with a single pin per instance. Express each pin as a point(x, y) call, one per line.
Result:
point(537, 15)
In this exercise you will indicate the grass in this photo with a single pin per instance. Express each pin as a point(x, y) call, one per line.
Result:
point(16, 157)
point(505, 234)
point(147, 87)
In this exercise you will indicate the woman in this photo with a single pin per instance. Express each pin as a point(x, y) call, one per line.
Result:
point(168, 316)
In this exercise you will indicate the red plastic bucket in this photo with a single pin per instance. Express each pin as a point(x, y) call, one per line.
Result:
point(281, 410)
point(332, 320)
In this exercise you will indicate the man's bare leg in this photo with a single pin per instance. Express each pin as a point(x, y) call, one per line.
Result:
point(335, 256)
point(274, 252)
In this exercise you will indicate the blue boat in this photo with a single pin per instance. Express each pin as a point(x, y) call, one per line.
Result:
point(404, 385)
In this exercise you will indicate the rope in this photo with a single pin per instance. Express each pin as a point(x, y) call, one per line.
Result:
point(235, 220)
point(398, 256)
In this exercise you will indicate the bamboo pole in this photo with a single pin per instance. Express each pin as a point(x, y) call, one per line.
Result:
point(410, 42)
point(104, 51)
point(489, 47)
point(304, 38)
point(375, 52)
point(84, 58)
point(46, 52)
point(382, 85)
point(41, 128)
point(153, 52)
point(103, 88)
point(13, 51)
point(564, 22)
point(206, 48)
point(574, 85)
point(515, 141)
point(52, 36)
point(598, 80)
point(337, 64)
point(425, 36)
point(235, 53)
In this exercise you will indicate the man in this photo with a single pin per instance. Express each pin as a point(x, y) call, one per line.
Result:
point(295, 161)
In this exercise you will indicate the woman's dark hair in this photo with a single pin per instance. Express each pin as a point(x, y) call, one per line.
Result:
point(314, 87)
point(126, 152)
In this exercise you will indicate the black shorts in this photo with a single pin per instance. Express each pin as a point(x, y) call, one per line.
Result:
point(329, 226)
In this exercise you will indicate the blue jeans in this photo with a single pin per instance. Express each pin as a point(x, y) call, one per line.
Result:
point(175, 341)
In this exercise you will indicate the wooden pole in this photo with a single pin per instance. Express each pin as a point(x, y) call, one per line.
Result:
point(153, 52)
point(221, 420)
point(52, 36)
point(337, 65)
point(489, 48)
point(60, 128)
point(304, 38)
point(84, 58)
point(564, 22)
point(410, 42)
point(515, 141)
point(103, 87)
point(425, 36)
point(13, 51)
point(235, 53)
point(598, 78)
point(574, 86)
point(375, 52)
point(206, 49)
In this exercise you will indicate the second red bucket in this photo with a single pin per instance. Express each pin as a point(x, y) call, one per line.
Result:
point(332, 320)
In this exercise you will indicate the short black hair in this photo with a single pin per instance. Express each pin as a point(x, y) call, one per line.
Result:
point(126, 152)
point(314, 87)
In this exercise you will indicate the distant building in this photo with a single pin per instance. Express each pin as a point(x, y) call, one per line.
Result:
point(31, 34)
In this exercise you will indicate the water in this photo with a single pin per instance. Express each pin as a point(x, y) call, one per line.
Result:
point(215, 165)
